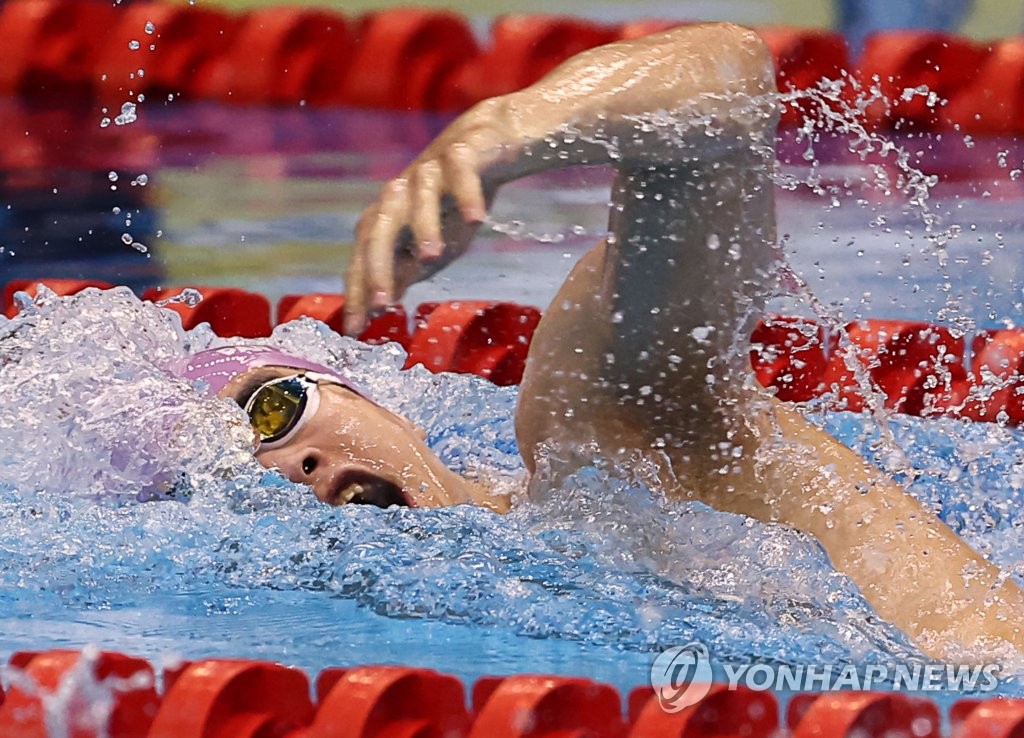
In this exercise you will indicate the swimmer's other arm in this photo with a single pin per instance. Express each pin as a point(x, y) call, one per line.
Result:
point(593, 109)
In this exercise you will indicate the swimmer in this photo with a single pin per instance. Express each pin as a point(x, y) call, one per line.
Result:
point(641, 350)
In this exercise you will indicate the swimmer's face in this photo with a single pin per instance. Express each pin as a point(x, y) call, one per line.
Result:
point(352, 450)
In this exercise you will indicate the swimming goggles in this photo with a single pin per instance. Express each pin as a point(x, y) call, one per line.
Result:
point(279, 409)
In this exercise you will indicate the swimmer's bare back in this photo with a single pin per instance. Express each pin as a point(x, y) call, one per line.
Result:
point(642, 349)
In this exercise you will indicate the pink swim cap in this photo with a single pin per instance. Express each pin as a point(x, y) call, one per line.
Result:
point(219, 366)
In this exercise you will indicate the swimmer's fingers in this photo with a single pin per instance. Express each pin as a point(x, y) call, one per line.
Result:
point(381, 240)
point(355, 293)
point(369, 281)
point(425, 217)
point(463, 182)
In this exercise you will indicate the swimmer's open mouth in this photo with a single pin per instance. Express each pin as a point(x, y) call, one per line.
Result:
point(360, 487)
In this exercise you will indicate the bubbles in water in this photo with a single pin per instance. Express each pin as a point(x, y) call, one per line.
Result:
point(99, 414)
point(597, 557)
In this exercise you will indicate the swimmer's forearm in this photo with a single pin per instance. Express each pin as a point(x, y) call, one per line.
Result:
point(910, 566)
point(677, 99)
point(643, 101)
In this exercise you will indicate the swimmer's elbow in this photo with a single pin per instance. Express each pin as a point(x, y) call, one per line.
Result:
point(751, 60)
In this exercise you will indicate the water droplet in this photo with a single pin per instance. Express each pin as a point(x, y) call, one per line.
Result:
point(112, 176)
point(134, 45)
point(150, 27)
point(128, 114)
point(126, 238)
point(188, 296)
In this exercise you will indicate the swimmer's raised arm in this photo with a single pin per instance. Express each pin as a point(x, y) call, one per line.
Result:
point(632, 103)
point(642, 354)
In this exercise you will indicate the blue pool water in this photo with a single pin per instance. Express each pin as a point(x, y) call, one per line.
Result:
point(593, 579)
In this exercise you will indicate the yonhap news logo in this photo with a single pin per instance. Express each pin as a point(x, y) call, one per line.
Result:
point(682, 676)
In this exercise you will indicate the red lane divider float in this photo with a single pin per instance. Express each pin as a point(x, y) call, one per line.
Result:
point(788, 355)
point(993, 102)
point(546, 707)
point(128, 683)
point(282, 55)
point(420, 59)
point(910, 367)
point(229, 311)
point(226, 698)
point(723, 712)
point(864, 715)
point(406, 59)
point(49, 47)
point(172, 44)
point(803, 57)
point(390, 325)
point(895, 355)
point(995, 718)
point(902, 60)
point(386, 701)
point(244, 698)
point(997, 365)
point(490, 339)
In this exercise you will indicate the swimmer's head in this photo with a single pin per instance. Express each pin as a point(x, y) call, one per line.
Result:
point(218, 367)
point(320, 429)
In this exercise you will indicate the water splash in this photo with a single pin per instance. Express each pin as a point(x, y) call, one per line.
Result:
point(100, 413)
point(129, 114)
point(600, 560)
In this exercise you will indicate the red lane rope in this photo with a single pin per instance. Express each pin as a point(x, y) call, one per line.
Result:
point(243, 698)
point(427, 59)
point(906, 366)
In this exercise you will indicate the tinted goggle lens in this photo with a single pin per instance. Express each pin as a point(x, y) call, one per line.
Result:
point(276, 407)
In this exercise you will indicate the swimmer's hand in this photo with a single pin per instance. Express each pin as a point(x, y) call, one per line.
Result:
point(639, 103)
point(427, 216)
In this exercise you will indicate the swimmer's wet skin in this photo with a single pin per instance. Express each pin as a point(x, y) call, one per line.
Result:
point(325, 432)
point(642, 350)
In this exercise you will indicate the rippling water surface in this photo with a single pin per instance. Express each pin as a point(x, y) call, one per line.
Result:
point(593, 579)
point(133, 516)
